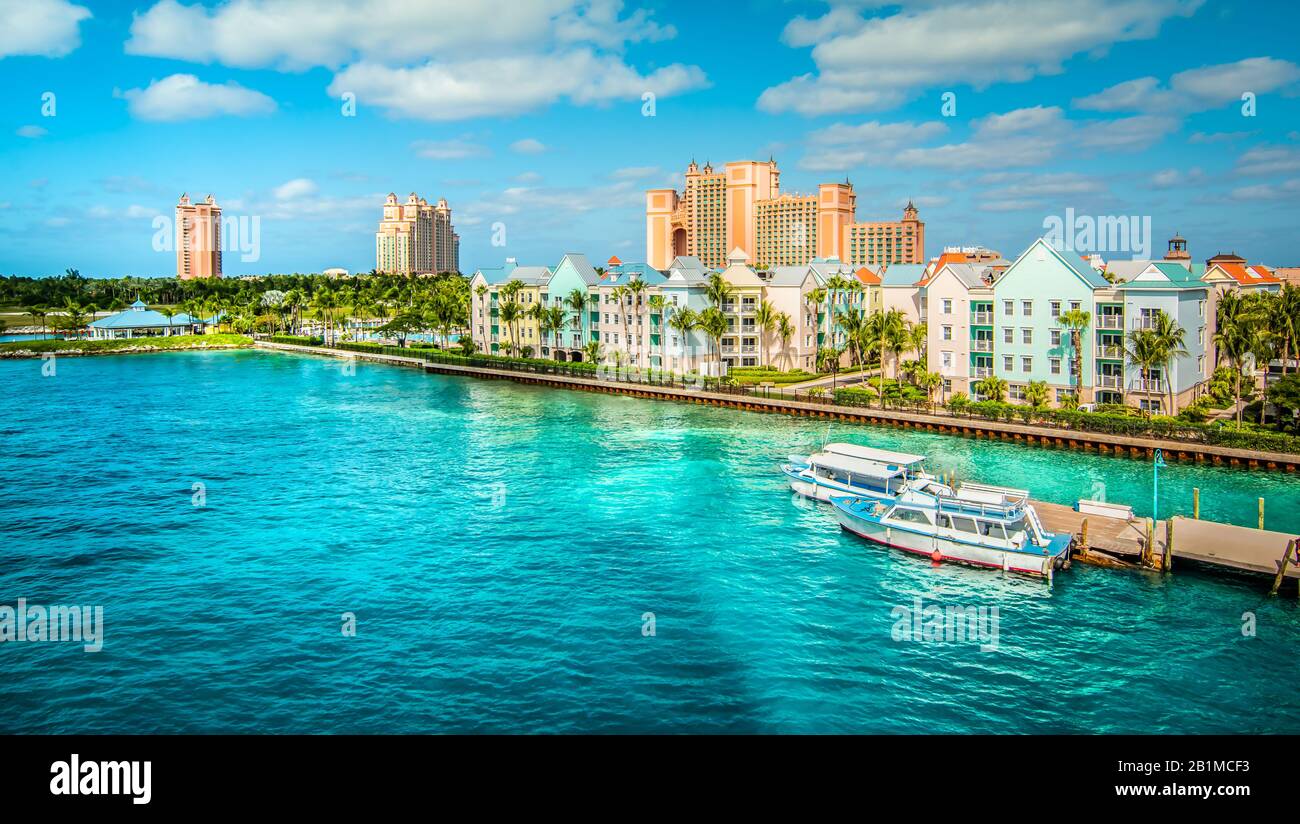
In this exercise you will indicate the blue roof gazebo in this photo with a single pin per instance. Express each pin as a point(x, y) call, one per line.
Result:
point(138, 320)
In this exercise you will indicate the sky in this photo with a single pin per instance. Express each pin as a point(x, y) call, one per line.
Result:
point(542, 122)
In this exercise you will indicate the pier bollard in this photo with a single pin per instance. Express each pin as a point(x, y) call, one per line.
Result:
point(1168, 559)
point(1196, 503)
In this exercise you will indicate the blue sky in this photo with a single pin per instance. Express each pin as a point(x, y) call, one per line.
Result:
point(530, 115)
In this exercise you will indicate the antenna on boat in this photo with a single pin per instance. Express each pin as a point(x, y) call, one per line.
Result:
point(826, 439)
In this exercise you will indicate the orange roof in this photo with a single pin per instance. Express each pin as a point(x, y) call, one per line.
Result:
point(868, 277)
point(938, 263)
point(1248, 274)
point(614, 261)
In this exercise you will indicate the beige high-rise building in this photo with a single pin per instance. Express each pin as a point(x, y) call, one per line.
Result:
point(887, 242)
point(415, 238)
point(742, 207)
point(198, 238)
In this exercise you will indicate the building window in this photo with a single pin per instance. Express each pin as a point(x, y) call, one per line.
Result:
point(1027, 336)
point(1008, 363)
point(1027, 308)
point(1055, 335)
point(1026, 364)
point(1201, 308)
point(1016, 391)
point(946, 360)
point(947, 307)
point(1074, 305)
point(1056, 308)
point(1008, 307)
point(1008, 336)
point(946, 333)
point(1054, 365)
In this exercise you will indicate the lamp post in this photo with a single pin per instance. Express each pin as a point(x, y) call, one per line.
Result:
point(1155, 492)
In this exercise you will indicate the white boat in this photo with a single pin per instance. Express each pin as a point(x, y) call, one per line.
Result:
point(849, 469)
point(988, 526)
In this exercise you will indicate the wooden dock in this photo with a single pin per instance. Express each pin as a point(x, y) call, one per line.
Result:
point(1207, 542)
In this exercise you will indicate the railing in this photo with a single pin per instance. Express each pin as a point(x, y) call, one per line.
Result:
point(1110, 321)
point(1110, 381)
point(981, 318)
point(1110, 352)
point(981, 371)
point(982, 344)
point(1144, 322)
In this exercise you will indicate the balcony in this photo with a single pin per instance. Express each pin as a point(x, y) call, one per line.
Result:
point(981, 345)
point(981, 371)
point(1144, 322)
point(981, 318)
point(1110, 351)
point(1110, 381)
point(1148, 385)
point(728, 307)
point(749, 350)
point(1110, 321)
point(728, 350)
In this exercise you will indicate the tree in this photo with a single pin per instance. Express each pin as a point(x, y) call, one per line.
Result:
point(785, 331)
point(1234, 338)
point(1144, 351)
point(1036, 394)
point(39, 312)
point(555, 318)
point(1170, 347)
point(714, 325)
point(1285, 396)
point(1077, 322)
point(402, 326)
point(765, 320)
point(685, 321)
point(992, 388)
point(577, 302)
point(928, 382)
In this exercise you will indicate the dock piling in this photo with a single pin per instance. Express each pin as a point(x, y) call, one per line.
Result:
point(1196, 502)
point(1282, 565)
point(1168, 559)
point(1261, 513)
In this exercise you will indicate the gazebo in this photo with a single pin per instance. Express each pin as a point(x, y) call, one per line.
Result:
point(139, 321)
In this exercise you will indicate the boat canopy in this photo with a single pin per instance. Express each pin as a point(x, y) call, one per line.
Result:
point(856, 466)
point(869, 453)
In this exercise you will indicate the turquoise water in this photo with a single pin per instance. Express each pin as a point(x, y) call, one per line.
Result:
point(24, 336)
point(500, 544)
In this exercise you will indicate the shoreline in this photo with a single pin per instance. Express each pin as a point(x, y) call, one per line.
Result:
point(73, 349)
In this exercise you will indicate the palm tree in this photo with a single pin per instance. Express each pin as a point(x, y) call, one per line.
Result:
point(765, 319)
point(918, 336)
point(1169, 340)
point(39, 312)
point(1285, 322)
point(1234, 337)
point(785, 331)
point(593, 351)
point(714, 325)
point(992, 388)
point(815, 298)
point(929, 381)
point(685, 321)
point(855, 334)
point(577, 301)
point(1036, 394)
point(835, 285)
point(555, 319)
point(828, 360)
point(635, 292)
point(1077, 321)
point(510, 312)
point(1143, 351)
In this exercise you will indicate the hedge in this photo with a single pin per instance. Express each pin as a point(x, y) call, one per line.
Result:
point(298, 340)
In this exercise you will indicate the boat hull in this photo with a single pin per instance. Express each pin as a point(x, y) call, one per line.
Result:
point(946, 550)
point(825, 490)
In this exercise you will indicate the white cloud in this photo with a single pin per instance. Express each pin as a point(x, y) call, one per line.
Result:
point(31, 132)
point(490, 86)
point(1023, 137)
point(1128, 133)
point(876, 62)
point(296, 188)
point(528, 145)
point(1196, 90)
point(185, 97)
point(40, 28)
point(451, 149)
point(1173, 178)
point(1285, 190)
point(485, 52)
point(1268, 160)
point(840, 146)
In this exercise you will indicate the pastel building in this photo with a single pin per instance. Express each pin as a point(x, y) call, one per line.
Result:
point(685, 286)
point(959, 325)
point(624, 318)
point(198, 238)
point(490, 290)
point(887, 242)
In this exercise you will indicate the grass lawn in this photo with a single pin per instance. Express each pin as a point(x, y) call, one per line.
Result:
point(105, 346)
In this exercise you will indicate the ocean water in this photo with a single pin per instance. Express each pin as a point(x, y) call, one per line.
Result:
point(504, 549)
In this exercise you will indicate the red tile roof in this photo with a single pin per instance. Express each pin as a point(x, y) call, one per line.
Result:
point(868, 277)
point(614, 261)
point(1249, 273)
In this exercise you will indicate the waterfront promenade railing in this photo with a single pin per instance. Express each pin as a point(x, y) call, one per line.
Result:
point(1221, 434)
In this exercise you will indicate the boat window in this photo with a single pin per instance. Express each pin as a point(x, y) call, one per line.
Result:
point(1015, 526)
point(990, 529)
point(911, 516)
point(964, 524)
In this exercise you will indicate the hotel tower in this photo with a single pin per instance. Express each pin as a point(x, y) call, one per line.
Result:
point(198, 239)
point(416, 238)
point(742, 207)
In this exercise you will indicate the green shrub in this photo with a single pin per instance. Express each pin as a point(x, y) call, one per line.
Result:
point(298, 340)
